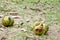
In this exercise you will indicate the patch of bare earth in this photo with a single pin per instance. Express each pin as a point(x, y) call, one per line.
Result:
point(8, 33)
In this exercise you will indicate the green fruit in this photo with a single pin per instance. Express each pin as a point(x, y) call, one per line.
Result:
point(40, 29)
point(7, 21)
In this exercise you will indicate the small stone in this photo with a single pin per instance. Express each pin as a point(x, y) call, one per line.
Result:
point(23, 30)
point(1, 16)
point(2, 29)
point(27, 20)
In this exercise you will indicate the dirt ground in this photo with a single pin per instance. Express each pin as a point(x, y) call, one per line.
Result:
point(25, 14)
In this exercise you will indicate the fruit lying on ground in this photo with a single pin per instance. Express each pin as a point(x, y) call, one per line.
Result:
point(40, 28)
point(7, 21)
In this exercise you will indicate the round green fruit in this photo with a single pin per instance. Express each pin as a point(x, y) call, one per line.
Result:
point(7, 21)
point(40, 29)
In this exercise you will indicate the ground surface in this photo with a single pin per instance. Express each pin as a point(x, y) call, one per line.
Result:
point(25, 14)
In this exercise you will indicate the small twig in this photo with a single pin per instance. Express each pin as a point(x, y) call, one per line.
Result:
point(16, 17)
point(36, 9)
point(13, 13)
point(37, 2)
